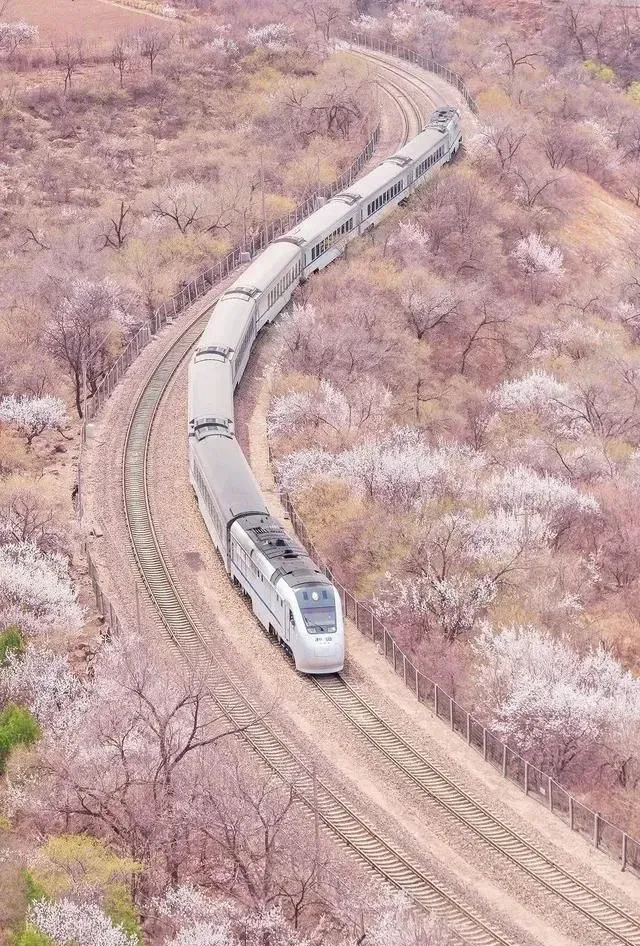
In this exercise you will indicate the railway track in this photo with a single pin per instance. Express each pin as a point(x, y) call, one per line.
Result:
point(348, 826)
point(412, 117)
point(184, 629)
point(611, 918)
point(421, 85)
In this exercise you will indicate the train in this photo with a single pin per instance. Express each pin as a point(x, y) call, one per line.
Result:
point(290, 596)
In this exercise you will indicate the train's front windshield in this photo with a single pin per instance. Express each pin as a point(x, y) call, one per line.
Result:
point(318, 609)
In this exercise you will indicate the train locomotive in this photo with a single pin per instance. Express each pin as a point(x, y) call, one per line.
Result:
point(290, 596)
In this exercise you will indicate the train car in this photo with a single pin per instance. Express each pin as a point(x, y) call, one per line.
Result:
point(323, 235)
point(291, 597)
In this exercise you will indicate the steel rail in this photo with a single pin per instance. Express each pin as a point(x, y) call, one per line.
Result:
point(420, 84)
point(418, 118)
point(433, 782)
point(184, 629)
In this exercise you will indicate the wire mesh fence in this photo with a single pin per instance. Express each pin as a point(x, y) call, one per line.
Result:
point(107, 614)
point(514, 767)
point(194, 289)
point(417, 59)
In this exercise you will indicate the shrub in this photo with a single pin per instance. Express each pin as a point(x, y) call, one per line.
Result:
point(121, 911)
point(599, 70)
point(17, 727)
point(11, 642)
point(31, 937)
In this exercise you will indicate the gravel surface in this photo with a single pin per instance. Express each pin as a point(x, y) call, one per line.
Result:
point(416, 823)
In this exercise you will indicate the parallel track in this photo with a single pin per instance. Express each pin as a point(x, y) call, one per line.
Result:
point(184, 629)
point(345, 823)
point(609, 917)
point(410, 111)
point(421, 85)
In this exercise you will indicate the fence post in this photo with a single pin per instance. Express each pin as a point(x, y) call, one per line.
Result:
point(526, 777)
point(468, 729)
point(550, 787)
point(435, 699)
point(373, 630)
point(624, 851)
point(504, 761)
point(570, 813)
point(451, 713)
point(404, 668)
point(596, 829)
point(484, 743)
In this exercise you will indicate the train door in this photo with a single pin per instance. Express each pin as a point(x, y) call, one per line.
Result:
point(289, 626)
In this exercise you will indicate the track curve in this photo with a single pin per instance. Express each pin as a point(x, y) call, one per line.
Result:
point(348, 826)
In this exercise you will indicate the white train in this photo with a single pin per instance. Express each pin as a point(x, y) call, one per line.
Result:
point(290, 596)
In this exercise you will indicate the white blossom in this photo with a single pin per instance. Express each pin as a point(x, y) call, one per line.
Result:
point(101, 300)
point(534, 256)
point(42, 680)
point(502, 535)
point(366, 404)
point(273, 36)
point(400, 468)
point(535, 391)
point(77, 924)
point(37, 586)
point(577, 339)
point(409, 234)
point(522, 490)
point(454, 604)
point(15, 34)
point(33, 415)
point(204, 934)
point(366, 24)
point(547, 698)
point(187, 903)
point(414, 19)
point(392, 921)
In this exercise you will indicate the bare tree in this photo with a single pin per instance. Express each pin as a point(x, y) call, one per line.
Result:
point(69, 58)
point(152, 42)
point(24, 517)
point(514, 60)
point(323, 15)
point(80, 331)
point(427, 307)
point(181, 203)
point(506, 140)
point(116, 234)
point(482, 334)
point(121, 57)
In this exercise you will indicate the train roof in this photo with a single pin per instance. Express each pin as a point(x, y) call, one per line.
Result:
point(229, 477)
point(325, 218)
point(288, 558)
point(211, 389)
point(419, 146)
point(228, 322)
point(267, 267)
point(374, 181)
